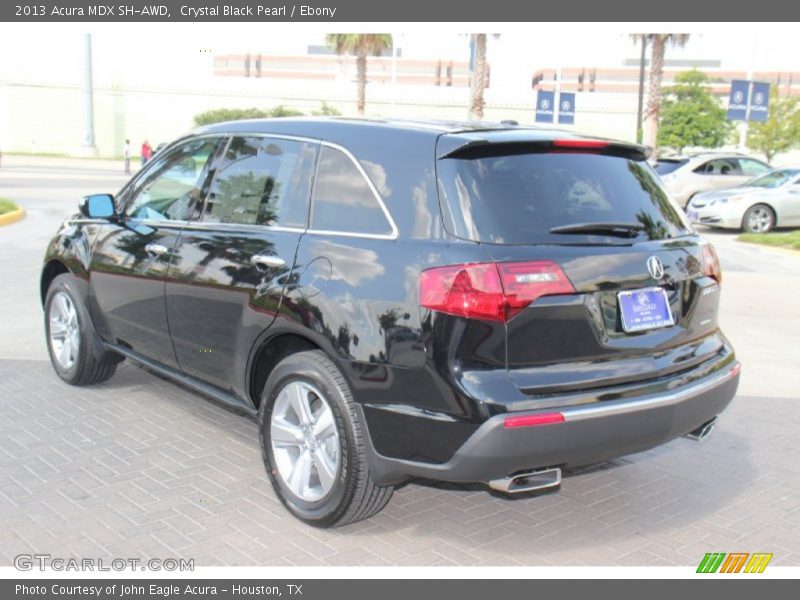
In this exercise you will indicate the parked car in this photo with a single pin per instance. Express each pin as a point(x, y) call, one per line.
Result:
point(396, 300)
point(760, 205)
point(685, 176)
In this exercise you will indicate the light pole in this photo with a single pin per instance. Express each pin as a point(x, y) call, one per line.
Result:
point(89, 148)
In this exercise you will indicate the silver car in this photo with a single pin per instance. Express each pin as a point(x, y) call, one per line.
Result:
point(685, 176)
point(763, 203)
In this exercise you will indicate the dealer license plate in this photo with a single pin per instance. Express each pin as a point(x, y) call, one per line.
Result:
point(643, 309)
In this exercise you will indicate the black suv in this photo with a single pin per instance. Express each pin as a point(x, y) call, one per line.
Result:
point(394, 300)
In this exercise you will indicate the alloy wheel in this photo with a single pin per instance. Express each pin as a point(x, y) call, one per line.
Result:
point(65, 336)
point(759, 220)
point(305, 441)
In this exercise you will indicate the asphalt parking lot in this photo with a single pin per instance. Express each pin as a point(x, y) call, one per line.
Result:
point(138, 467)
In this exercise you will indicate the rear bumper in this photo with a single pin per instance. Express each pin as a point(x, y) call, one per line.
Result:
point(589, 434)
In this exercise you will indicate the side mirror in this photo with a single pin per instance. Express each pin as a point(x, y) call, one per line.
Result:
point(98, 206)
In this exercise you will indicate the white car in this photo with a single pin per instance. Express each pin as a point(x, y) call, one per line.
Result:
point(685, 176)
point(758, 206)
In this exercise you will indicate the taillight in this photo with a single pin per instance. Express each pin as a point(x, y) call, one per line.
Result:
point(524, 282)
point(490, 291)
point(711, 266)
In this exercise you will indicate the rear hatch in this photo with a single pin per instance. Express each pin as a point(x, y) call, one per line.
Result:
point(640, 291)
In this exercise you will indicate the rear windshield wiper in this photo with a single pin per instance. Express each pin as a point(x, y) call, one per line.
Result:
point(618, 229)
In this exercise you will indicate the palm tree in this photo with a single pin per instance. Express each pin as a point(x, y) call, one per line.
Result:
point(658, 43)
point(476, 101)
point(361, 45)
point(480, 75)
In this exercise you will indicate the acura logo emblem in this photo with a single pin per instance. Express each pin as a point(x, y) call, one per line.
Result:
point(655, 268)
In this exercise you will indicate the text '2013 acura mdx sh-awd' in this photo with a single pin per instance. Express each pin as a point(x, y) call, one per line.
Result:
point(398, 300)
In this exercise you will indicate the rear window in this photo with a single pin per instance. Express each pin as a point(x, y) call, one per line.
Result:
point(518, 199)
point(664, 167)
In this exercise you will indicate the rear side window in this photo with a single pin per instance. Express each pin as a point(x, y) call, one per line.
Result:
point(664, 167)
point(263, 181)
point(518, 199)
point(344, 201)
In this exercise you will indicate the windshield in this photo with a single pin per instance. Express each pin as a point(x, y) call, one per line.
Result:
point(520, 198)
point(773, 179)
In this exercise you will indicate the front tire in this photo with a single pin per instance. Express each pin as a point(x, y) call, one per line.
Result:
point(313, 444)
point(759, 218)
point(68, 333)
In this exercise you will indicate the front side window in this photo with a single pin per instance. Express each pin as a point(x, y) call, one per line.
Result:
point(263, 181)
point(343, 199)
point(719, 166)
point(172, 186)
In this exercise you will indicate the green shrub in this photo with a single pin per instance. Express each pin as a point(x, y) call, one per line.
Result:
point(326, 110)
point(218, 115)
point(7, 206)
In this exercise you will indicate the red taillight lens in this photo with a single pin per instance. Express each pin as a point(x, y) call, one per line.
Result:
point(711, 266)
point(489, 291)
point(524, 282)
point(533, 420)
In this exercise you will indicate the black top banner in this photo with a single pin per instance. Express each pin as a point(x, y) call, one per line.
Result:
point(408, 10)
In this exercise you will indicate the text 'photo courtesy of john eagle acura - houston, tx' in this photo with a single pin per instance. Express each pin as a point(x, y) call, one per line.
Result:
point(461, 302)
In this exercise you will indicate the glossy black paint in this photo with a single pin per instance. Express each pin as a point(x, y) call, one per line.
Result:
point(426, 381)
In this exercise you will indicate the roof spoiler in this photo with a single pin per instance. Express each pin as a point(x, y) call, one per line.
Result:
point(485, 147)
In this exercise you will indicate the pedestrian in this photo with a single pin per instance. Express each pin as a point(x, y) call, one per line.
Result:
point(126, 154)
point(146, 152)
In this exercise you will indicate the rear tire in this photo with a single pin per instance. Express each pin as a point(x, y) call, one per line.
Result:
point(69, 335)
point(759, 218)
point(317, 463)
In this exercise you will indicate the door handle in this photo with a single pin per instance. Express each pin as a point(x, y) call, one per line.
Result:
point(156, 249)
point(267, 262)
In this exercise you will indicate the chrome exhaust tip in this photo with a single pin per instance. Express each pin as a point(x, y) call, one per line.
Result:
point(703, 431)
point(531, 481)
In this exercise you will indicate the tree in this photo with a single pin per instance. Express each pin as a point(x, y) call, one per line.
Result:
point(477, 102)
point(658, 44)
point(691, 115)
point(361, 45)
point(781, 131)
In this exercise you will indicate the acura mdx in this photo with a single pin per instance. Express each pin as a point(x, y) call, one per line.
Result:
point(393, 300)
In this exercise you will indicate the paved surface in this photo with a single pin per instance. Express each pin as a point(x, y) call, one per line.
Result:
point(138, 467)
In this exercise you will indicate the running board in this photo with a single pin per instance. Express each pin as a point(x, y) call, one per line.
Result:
point(214, 393)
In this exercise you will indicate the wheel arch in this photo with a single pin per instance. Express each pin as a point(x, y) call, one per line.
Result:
point(52, 269)
point(268, 352)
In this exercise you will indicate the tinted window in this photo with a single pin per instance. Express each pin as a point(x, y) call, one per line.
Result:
point(262, 181)
point(751, 167)
point(343, 200)
point(719, 166)
point(518, 199)
point(172, 184)
point(668, 166)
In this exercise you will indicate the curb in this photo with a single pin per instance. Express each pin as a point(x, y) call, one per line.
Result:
point(12, 217)
point(776, 249)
